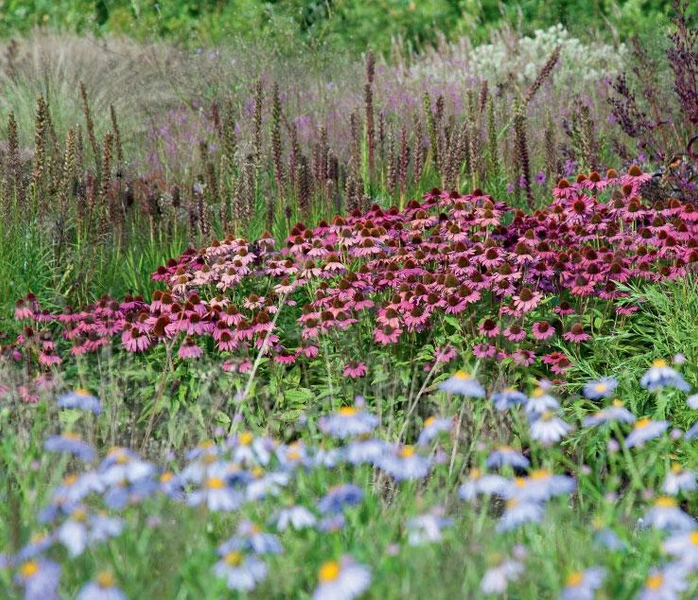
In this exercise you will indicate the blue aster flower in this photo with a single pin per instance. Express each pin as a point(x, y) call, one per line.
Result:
point(39, 578)
point(102, 588)
point(463, 384)
point(661, 375)
point(81, 399)
point(340, 496)
point(601, 388)
point(71, 443)
point(349, 421)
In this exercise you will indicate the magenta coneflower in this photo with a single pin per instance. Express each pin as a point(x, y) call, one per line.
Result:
point(354, 369)
point(523, 358)
point(558, 362)
point(135, 340)
point(542, 330)
point(386, 335)
point(564, 309)
point(189, 349)
point(285, 358)
point(514, 333)
point(527, 300)
point(445, 354)
point(484, 350)
point(576, 334)
point(489, 328)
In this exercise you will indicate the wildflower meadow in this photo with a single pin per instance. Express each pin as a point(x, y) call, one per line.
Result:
point(306, 316)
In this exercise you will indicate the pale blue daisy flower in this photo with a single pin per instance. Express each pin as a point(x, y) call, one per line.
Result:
point(539, 486)
point(644, 430)
point(518, 512)
point(298, 517)
point(263, 484)
point(432, 428)
point(582, 585)
point(359, 452)
point(692, 401)
point(342, 580)
point(508, 398)
point(502, 571)
point(39, 578)
point(661, 375)
point(668, 583)
point(615, 412)
point(539, 402)
point(242, 572)
point(340, 496)
point(548, 428)
point(507, 456)
point(479, 483)
point(683, 546)
point(600, 388)
point(403, 462)
point(80, 399)
point(71, 443)
point(427, 528)
point(250, 537)
point(463, 384)
point(102, 588)
point(678, 479)
point(216, 492)
point(665, 514)
point(349, 421)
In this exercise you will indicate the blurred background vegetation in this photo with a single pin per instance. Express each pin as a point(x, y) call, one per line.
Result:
point(347, 25)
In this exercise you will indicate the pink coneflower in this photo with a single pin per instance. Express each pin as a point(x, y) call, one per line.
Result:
point(564, 309)
point(189, 349)
point(582, 286)
point(446, 354)
point(354, 369)
point(523, 358)
point(514, 333)
point(576, 334)
point(558, 362)
point(454, 305)
point(626, 311)
point(417, 318)
point(579, 210)
point(386, 335)
point(468, 294)
point(310, 351)
point(542, 330)
point(48, 358)
point(484, 351)
point(503, 287)
point(226, 342)
point(285, 358)
point(527, 300)
point(23, 310)
point(489, 328)
point(135, 340)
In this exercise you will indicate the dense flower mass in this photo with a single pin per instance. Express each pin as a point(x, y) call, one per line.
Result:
point(393, 274)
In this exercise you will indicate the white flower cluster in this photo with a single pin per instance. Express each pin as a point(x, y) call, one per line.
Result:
point(521, 58)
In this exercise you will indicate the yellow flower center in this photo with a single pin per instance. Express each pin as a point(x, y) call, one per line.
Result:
point(538, 392)
point(600, 387)
point(505, 449)
point(539, 474)
point(29, 568)
point(654, 582)
point(665, 502)
point(694, 538)
point(348, 411)
point(520, 481)
point(82, 392)
point(407, 452)
point(70, 479)
point(575, 579)
point(676, 468)
point(617, 403)
point(79, 514)
point(167, 476)
point(475, 473)
point(215, 483)
point(513, 503)
point(72, 436)
point(245, 438)
point(293, 455)
point(429, 421)
point(105, 579)
point(233, 559)
point(329, 571)
point(659, 363)
point(642, 423)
